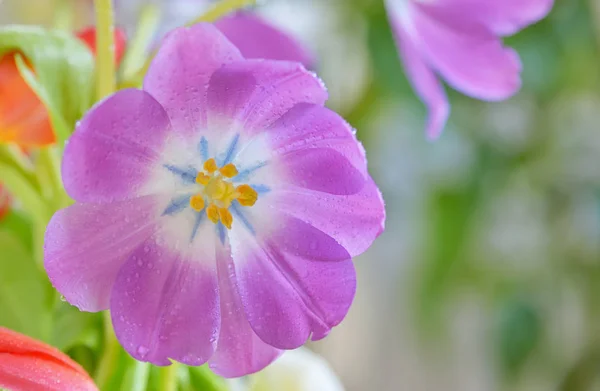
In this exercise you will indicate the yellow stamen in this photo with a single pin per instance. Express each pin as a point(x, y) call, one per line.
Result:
point(247, 195)
point(213, 213)
point(226, 217)
point(229, 170)
point(202, 178)
point(197, 202)
point(210, 165)
point(218, 192)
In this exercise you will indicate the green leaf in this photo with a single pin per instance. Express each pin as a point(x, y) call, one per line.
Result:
point(518, 331)
point(19, 224)
point(63, 71)
point(72, 327)
point(23, 290)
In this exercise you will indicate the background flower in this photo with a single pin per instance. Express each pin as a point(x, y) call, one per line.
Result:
point(297, 370)
point(30, 365)
point(461, 41)
point(24, 120)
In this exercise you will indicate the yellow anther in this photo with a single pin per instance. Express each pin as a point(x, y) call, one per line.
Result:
point(247, 195)
point(213, 213)
point(197, 202)
point(229, 170)
point(210, 165)
point(202, 178)
point(226, 217)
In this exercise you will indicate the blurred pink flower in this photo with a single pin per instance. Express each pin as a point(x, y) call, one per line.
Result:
point(460, 40)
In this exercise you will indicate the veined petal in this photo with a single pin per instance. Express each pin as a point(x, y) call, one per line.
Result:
point(165, 305)
point(502, 17)
point(467, 54)
point(287, 294)
point(239, 350)
point(318, 150)
point(255, 93)
point(109, 156)
point(23, 118)
point(179, 74)
point(30, 365)
point(354, 221)
point(87, 244)
point(258, 39)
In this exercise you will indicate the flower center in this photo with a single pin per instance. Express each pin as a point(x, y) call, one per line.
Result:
point(218, 192)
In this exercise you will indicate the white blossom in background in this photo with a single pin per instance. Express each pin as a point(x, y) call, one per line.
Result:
point(296, 370)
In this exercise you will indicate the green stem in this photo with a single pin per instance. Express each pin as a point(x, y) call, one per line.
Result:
point(221, 9)
point(109, 355)
point(168, 378)
point(137, 378)
point(105, 48)
point(138, 46)
point(63, 15)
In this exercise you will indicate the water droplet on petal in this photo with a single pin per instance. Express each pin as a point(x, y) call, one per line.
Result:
point(142, 351)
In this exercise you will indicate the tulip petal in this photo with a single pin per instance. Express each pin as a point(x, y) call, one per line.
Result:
point(86, 245)
point(239, 350)
point(255, 38)
point(165, 305)
point(424, 81)
point(504, 17)
point(30, 365)
point(470, 57)
point(110, 155)
point(288, 293)
point(23, 118)
point(255, 93)
point(179, 74)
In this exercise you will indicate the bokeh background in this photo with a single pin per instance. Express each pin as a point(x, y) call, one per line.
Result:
point(488, 275)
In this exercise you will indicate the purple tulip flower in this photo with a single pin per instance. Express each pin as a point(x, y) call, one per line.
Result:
point(217, 210)
point(461, 41)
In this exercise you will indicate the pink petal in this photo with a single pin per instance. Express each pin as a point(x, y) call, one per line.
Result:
point(87, 244)
point(322, 170)
point(354, 221)
point(319, 150)
point(258, 39)
point(504, 17)
point(239, 350)
point(424, 81)
point(256, 93)
point(290, 294)
point(166, 305)
point(469, 56)
point(178, 77)
point(109, 155)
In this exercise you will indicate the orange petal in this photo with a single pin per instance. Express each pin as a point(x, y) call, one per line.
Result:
point(23, 118)
point(28, 364)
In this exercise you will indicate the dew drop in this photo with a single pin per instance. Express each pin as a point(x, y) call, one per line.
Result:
point(142, 351)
